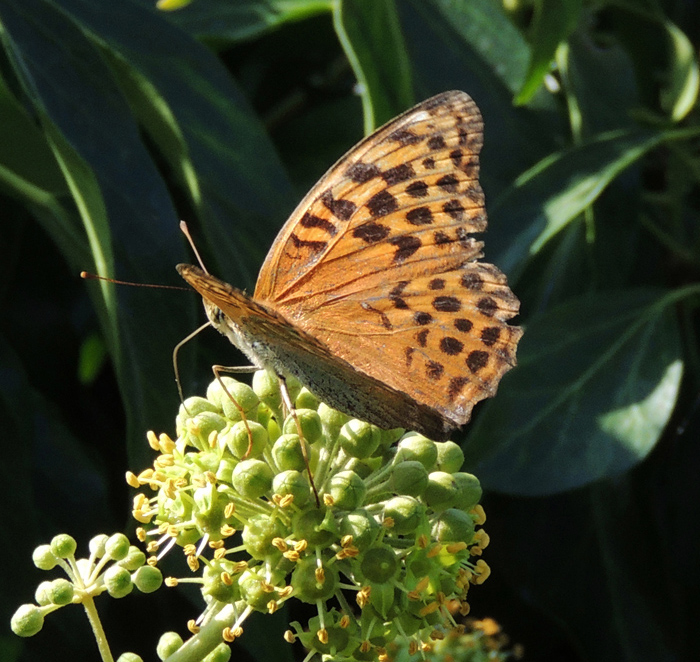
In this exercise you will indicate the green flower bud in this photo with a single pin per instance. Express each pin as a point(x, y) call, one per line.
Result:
point(238, 441)
point(450, 457)
point(252, 478)
point(266, 387)
point(390, 436)
point(188, 537)
point(44, 558)
point(379, 564)
point(224, 472)
point(195, 405)
point(453, 526)
point(258, 534)
point(361, 526)
point(63, 546)
point(406, 512)
point(168, 643)
point(287, 452)
point(117, 547)
point(27, 621)
point(293, 387)
point(292, 482)
point(310, 423)
point(252, 591)
point(469, 491)
point(408, 477)
point(216, 587)
point(332, 420)
point(305, 580)
point(306, 400)
point(209, 514)
point(118, 581)
point(147, 579)
point(42, 595)
point(442, 490)
point(61, 592)
point(347, 489)
point(242, 394)
point(97, 545)
point(222, 653)
point(315, 526)
point(201, 426)
point(414, 446)
point(134, 559)
point(129, 657)
point(207, 460)
point(359, 439)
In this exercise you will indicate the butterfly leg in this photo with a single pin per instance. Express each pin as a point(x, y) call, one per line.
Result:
point(292, 410)
point(217, 370)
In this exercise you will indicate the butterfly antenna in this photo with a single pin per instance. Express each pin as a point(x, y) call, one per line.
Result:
point(186, 232)
point(86, 275)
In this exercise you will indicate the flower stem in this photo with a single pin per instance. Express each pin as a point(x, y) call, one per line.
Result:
point(98, 631)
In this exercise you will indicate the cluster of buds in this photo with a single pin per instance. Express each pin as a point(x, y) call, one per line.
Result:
point(113, 566)
point(377, 529)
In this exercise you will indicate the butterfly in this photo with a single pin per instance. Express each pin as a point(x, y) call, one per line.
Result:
point(373, 295)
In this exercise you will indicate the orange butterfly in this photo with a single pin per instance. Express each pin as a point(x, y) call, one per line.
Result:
point(372, 294)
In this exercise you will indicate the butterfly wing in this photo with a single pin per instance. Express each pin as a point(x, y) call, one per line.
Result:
point(378, 262)
point(272, 342)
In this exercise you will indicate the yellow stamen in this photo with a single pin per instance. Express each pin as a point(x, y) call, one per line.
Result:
point(192, 626)
point(429, 609)
point(483, 571)
point(322, 635)
point(434, 550)
point(455, 547)
point(152, 440)
point(280, 544)
point(480, 514)
point(132, 480)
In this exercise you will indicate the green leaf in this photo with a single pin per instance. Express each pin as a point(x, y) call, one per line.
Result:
point(544, 200)
point(484, 27)
point(125, 207)
point(680, 94)
point(599, 85)
point(223, 21)
point(200, 119)
point(370, 35)
point(471, 45)
point(596, 383)
point(553, 22)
